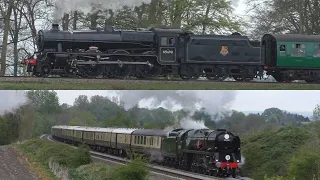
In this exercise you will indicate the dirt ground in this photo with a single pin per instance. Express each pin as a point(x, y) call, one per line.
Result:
point(13, 166)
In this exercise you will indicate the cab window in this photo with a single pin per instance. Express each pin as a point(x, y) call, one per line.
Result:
point(298, 50)
point(168, 41)
point(316, 50)
point(164, 41)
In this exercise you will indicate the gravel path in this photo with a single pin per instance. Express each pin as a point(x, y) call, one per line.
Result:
point(13, 166)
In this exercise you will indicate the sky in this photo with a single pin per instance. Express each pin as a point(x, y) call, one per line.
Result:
point(244, 100)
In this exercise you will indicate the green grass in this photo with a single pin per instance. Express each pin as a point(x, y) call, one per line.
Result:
point(139, 85)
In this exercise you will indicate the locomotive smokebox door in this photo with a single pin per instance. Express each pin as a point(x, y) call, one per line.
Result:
point(168, 49)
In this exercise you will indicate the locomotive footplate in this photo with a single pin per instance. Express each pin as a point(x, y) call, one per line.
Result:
point(81, 62)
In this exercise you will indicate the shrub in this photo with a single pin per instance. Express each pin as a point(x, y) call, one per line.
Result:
point(63, 154)
point(94, 171)
point(137, 169)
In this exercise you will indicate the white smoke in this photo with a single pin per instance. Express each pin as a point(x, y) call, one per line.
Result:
point(189, 123)
point(11, 99)
point(66, 6)
point(215, 102)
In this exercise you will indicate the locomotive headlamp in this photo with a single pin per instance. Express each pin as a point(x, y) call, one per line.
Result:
point(226, 136)
point(227, 157)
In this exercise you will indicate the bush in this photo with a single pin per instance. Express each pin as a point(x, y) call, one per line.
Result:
point(94, 171)
point(137, 169)
point(63, 154)
point(270, 153)
point(274, 178)
point(306, 165)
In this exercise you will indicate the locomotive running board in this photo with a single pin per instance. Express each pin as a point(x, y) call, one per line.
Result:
point(112, 62)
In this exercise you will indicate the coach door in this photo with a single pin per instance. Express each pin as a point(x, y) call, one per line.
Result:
point(167, 49)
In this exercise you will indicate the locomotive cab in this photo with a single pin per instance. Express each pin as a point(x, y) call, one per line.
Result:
point(169, 42)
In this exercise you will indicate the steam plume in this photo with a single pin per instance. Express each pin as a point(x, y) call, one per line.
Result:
point(65, 6)
point(215, 102)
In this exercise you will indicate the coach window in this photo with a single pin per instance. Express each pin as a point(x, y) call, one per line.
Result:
point(151, 141)
point(298, 50)
point(282, 48)
point(317, 50)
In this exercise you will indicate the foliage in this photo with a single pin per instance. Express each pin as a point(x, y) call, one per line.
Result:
point(280, 17)
point(44, 101)
point(316, 113)
point(269, 153)
point(136, 169)
point(274, 178)
point(61, 153)
point(94, 171)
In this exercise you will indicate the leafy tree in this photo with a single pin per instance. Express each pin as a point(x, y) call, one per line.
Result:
point(316, 113)
point(121, 120)
point(44, 101)
point(81, 102)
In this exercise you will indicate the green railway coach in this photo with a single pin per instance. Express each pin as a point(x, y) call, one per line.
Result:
point(291, 56)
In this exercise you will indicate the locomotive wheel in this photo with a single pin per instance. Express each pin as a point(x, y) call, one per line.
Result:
point(214, 172)
point(114, 71)
point(45, 70)
point(91, 71)
point(238, 78)
point(192, 74)
point(310, 80)
point(147, 72)
point(121, 70)
point(211, 75)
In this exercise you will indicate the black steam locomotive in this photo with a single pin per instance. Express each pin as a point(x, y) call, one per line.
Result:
point(204, 151)
point(115, 53)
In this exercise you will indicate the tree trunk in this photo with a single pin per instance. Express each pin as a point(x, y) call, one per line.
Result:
point(5, 37)
point(75, 19)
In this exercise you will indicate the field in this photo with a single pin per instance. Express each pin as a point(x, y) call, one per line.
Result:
point(23, 83)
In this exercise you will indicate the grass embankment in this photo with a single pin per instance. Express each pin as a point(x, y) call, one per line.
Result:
point(51, 160)
point(96, 84)
point(291, 153)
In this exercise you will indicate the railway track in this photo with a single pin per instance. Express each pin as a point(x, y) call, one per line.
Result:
point(157, 170)
point(202, 80)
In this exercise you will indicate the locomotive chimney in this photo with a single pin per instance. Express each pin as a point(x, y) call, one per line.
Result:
point(55, 27)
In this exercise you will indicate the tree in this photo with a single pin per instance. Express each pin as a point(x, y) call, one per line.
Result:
point(82, 102)
point(291, 16)
point(316, 113)
point(7, 14)
point(44, 101)
point(121, 120)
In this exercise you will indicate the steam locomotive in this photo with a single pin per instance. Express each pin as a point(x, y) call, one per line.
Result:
point(113, 53)
point(204, 151)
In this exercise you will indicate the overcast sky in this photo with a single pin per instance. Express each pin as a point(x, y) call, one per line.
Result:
point(243, 101)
